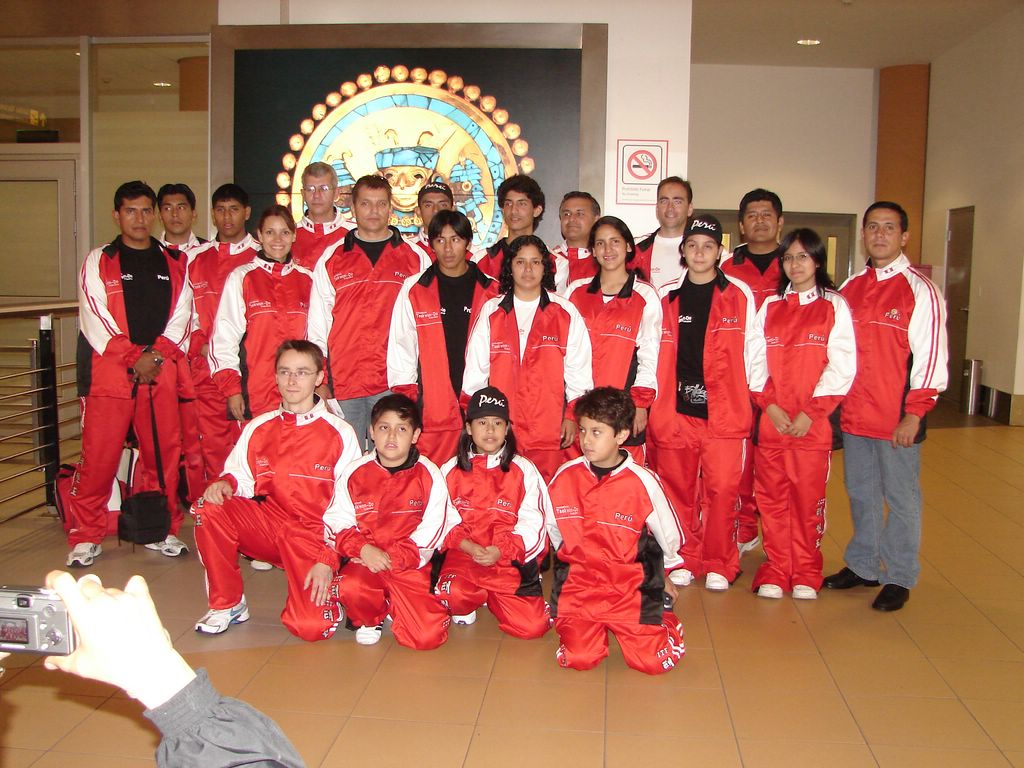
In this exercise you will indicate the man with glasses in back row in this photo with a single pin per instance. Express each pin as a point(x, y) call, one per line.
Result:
point(323, 225)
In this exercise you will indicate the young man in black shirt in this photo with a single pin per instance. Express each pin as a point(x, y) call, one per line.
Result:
point(702, 414)
point(135, 307)
point(426, 360)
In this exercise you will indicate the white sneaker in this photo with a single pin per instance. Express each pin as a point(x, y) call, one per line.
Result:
point(83, 555)
point(467, 619)
point(369, 635)
point(803, 592)
point(716, 582)
point(172, 546)
point(261, 565)
point(681, 577)
point(773, 591)
point(746, 546)
point(216, 621)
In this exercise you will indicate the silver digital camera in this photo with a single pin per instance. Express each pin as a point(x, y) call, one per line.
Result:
point(34, 620)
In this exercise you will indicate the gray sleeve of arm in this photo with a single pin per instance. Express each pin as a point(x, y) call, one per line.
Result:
point(203, 729)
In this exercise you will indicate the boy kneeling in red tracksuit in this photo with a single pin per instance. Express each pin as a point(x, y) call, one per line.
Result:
point(269, 503)
point(390, 512)
point(615, 535)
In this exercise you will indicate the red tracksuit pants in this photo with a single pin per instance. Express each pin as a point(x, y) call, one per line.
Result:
point(439, 445)
point(790, 488)
point(217, 433)
point(702, 480)
point(746, 526)
point(419, 620)
point(649, 648)
point(263, 530)
point(105, 422)
point(461, 591)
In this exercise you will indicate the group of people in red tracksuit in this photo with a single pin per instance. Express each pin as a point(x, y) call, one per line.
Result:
point(356, 393)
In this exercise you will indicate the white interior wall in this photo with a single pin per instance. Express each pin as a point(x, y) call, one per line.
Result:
point(807, 133)
point(648, 60)
point(976, 157)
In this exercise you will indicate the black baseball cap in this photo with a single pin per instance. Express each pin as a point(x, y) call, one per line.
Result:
point(489, 401)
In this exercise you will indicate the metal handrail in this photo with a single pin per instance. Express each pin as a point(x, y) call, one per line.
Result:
point(21, 413)
point(13, 395)
point(29, 372)
point(53, 308)
point(24, 432)
point(38, 418)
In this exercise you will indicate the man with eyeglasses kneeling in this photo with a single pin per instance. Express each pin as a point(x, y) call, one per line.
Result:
point(270, 501)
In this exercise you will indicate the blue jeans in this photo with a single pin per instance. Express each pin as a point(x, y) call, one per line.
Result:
point(357, 413)
point(883, 547)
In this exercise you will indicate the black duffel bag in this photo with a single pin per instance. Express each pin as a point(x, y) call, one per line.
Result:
point(145, 517)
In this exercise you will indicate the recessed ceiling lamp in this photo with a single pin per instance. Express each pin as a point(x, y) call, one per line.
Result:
point(162, 84)
point(809, 41)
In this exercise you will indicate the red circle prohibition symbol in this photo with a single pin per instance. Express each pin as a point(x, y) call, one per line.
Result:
point(641, 164)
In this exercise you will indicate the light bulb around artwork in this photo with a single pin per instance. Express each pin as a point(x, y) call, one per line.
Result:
point(413, 127)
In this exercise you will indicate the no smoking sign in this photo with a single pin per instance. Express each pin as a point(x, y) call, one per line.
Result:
point(641, 166)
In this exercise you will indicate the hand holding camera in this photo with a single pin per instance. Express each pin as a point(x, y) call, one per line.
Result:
point(120, 639)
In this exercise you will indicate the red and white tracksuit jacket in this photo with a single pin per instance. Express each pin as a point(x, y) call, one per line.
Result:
point(351, 307)
point(543, 386)
point(416, 325)
point(902, 350)
point(625, 335)
point(507, 510)
point(264, 303)
point(804, 360)
point(726, 363)
point(614, 539)
point(105, 350)
point(283, 471)
point(738, 265)
point(208, 268)
point(489, 260)
point(105, 388)
point(311, 240)
point(572, 264)
point(407, 513)
point(642, 255)
point(690, 453)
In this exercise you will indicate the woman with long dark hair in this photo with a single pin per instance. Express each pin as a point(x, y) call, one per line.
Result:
point(803, 364)
point(533, 345)
point(623, 316)
point(264, 303)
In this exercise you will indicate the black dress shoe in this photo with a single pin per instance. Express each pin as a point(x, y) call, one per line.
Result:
point(891, 598)
point(847, 579)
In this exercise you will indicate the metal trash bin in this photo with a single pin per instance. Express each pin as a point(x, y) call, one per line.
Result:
point(970, 388)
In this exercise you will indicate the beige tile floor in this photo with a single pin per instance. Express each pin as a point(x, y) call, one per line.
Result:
point(763, 683)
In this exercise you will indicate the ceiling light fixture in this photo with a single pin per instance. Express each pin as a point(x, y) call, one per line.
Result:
point(162, 84)
point(809, 41)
